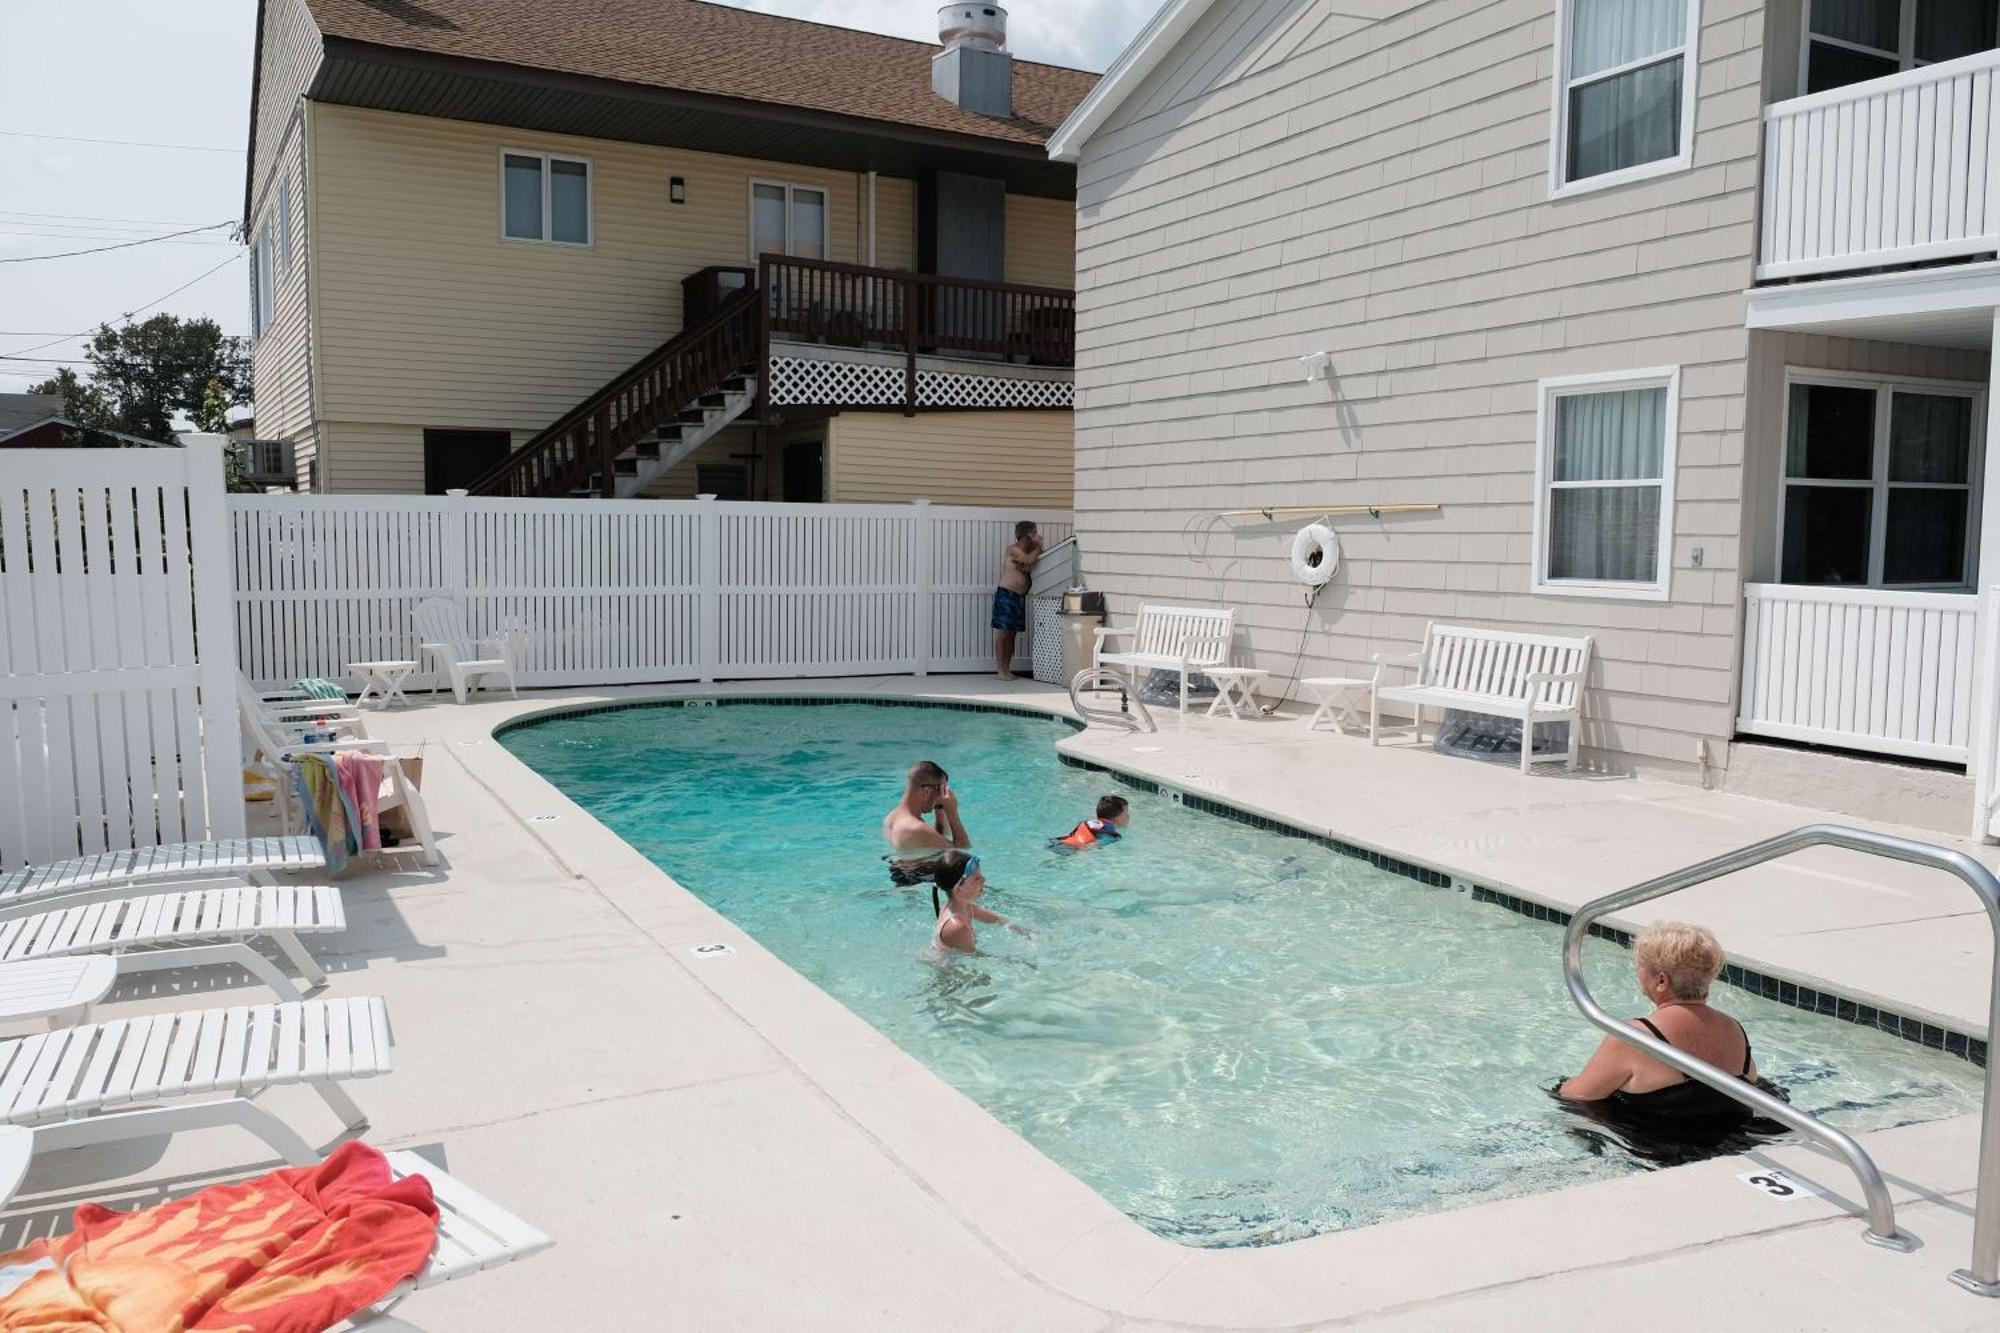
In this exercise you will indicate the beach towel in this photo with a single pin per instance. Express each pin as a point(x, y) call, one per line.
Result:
point(341, 794)
point(314, 687)
point(361, 785)
point(294, 1251)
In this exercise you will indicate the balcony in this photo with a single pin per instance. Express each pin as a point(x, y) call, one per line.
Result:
point(1894, 171)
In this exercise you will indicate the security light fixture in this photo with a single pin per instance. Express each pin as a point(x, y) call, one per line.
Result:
point(677, 190)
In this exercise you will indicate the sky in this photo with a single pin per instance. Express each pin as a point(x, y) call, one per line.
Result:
point(170, 82)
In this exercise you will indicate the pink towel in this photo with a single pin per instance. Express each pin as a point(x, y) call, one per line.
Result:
point(361, 783)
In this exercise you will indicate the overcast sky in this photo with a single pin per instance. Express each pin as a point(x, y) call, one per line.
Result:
point(171, 78)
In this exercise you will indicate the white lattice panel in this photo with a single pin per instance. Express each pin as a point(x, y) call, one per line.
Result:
point(835, 383)
point(941, 388)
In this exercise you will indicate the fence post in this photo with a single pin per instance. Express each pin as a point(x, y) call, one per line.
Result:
point(922, 574)
point(708, 614)
point(215, 637)
point(1985, 751)
point(912, 303)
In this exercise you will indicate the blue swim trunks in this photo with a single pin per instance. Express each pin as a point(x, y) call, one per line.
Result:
point(1010, 610)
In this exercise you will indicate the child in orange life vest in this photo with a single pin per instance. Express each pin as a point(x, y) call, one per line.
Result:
point(1113, 814)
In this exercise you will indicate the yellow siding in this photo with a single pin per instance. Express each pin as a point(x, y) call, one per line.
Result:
point(381, 458)
point(281, 358)
point(1041, 241)
point(290, 52)
point(895, 222)
point(427, 315)
point(973, 458)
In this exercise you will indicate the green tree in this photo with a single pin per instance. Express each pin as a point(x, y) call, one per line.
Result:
point(81, 402)
point(142, 374)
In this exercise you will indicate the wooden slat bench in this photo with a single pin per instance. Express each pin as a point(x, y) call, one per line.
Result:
point(1185, 639)
point(1532, 678)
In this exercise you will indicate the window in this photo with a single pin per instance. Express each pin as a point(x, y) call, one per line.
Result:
point(1849, 41)
point(454, 459)
point(1624, 90)
point(1604, 484)
point(260, 281)
point(544, 198)
point(284, 230)
point(787, 220)
point(1878, 482)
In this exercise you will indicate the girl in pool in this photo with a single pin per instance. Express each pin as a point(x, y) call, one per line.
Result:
point(957, 884)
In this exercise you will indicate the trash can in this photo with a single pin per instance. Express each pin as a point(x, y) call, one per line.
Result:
point(1079, 638)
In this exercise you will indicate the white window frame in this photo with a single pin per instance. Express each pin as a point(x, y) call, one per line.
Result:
point(1547, 392)
point(790, 188)
point(1690, 56)
point(1878, 483)
point(263, 292)
point(548, 185)
point(1905, 54)
point(284, 242)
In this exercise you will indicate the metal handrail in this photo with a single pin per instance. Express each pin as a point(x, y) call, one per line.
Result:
point(1982, 1276)
point(1093, 679)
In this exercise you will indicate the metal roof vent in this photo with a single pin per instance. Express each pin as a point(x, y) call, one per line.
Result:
point(974, 71)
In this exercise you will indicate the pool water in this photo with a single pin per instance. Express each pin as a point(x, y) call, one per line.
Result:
point(1236, 1036)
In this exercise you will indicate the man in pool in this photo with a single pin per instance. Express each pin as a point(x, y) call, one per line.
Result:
point(914, 842)
point(1010, 598)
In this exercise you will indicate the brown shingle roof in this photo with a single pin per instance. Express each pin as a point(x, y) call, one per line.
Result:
point(698, 47)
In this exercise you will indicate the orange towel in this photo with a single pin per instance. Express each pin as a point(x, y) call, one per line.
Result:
point(294, 1251)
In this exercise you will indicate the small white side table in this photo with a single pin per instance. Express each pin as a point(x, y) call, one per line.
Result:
point(1337, 697)
point(1234, 687)
point(382, 681)
point(59, 989)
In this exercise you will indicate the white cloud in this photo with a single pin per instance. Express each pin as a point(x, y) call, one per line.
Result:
point(1087, 34)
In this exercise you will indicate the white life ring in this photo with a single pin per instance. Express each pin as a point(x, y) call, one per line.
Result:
point(1315, 555)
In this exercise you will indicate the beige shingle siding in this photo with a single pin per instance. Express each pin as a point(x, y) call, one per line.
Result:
point(280, 359)
point(980, 458)
point(1381, 192)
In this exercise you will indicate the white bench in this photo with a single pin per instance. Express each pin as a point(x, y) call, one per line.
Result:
point(1532, 678)
point(1186, 639)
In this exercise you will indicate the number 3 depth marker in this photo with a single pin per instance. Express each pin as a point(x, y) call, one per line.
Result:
point(1778, 1185)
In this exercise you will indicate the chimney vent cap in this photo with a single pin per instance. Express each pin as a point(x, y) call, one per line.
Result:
point(981, 26)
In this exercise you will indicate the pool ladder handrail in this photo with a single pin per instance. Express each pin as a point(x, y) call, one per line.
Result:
point(1982, 1275)
point(1139, 718)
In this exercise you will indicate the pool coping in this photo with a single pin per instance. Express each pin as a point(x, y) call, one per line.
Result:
point(1050, 1227)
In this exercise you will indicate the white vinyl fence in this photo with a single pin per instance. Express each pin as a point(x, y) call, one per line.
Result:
point(1867, 669)
point(623, 591)
point(117, 671)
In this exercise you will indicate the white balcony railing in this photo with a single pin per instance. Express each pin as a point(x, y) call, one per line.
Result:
point(1861, 668)
point(1895, 170)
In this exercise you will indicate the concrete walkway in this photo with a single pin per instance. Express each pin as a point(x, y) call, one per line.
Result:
point(716, 1144)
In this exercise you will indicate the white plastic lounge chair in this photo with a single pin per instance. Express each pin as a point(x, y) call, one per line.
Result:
point(97, 1082)
point(32, 888)
point(289, 710)
point(189, 928)
point(454, 654)
point(474, 1233)
point(276, 755)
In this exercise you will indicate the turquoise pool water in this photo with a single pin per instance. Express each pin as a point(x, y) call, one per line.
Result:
point(1236, 1036)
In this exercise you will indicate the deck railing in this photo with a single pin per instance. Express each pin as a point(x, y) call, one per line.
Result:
point(849, 305)
point(1861, 668)
point(1896, 170)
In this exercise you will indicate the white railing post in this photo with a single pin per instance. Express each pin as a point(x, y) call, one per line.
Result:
point(452, 538)
point(708, 613)
point(215, 637)
point(923, 575)
point(1986, 716)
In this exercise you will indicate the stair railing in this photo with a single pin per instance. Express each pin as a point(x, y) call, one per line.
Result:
point(581, 450)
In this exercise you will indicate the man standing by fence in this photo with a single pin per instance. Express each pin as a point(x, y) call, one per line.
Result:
point(1010, 599)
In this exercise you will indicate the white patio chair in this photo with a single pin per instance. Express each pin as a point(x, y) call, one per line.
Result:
point(474, 1233)
point(291, 710)
point(189, 928)
point(454, 654)
point(276, 754)
point(112, 874)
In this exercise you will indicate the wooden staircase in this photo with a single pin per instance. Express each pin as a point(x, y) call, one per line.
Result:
point(647, 420)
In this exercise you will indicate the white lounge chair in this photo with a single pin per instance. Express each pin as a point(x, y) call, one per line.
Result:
point(82, 878)
point(292, 710)
point(276, 755)
point(97, 1082)
point(188, 928)
point(454, 654)
point(474, 1233)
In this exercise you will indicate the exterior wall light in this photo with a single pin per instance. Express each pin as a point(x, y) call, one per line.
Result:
point(677, 190)
point(1319, 365)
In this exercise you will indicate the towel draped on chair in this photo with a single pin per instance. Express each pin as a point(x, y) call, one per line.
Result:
point(341, 794)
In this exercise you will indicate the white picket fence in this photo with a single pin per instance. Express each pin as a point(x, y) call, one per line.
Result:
point(623, 591)
point(117, 672)
point(1866, 669)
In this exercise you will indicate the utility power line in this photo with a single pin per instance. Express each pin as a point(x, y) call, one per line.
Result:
point(122, 245)
point(135, 310)
point(119, 143)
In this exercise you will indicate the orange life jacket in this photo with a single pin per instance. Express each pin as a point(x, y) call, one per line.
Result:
point(1088, 832)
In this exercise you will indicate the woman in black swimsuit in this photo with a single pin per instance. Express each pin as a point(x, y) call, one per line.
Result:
point(1626, 1088)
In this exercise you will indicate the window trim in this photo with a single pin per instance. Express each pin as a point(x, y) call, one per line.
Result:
point(263, 287)
point(789, 187)
point(548, 184)
point(1905, 54)
point(1547, 391)
point(1689, 52)
point(1878, 484)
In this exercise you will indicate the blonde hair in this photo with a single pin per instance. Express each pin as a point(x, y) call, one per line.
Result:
point(1689, 957)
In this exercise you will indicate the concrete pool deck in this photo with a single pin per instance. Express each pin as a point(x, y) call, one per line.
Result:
point(716, 1144)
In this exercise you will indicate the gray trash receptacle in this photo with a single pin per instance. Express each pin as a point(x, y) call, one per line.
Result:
point(1079, 641)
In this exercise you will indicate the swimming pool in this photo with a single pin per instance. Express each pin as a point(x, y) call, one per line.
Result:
point(1235, 1035)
